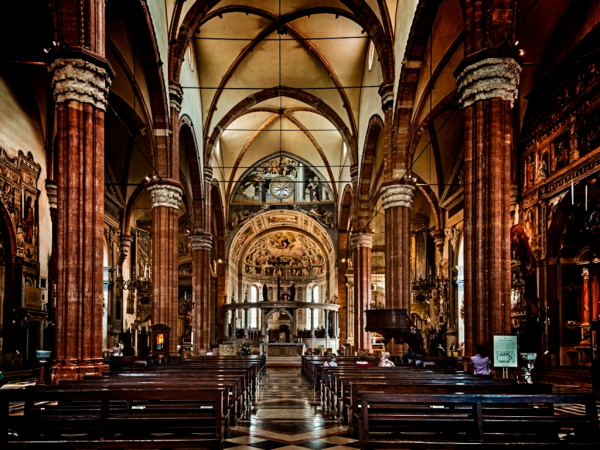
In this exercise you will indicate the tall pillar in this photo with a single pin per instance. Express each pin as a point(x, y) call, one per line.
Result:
point(165, 197)
point(80, 89)
point(201, 246)
point(488, 142)
point(586, 312)
point(362, 243)
point(488, 85)
point(397, 200)
point(312, 322)
point(326, 324)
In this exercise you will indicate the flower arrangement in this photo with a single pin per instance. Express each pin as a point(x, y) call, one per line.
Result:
point(318, 350)
point(245, 349)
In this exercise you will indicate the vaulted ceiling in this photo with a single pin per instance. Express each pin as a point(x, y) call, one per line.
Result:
point(320, 52)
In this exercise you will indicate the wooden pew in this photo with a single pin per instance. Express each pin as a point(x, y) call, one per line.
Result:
point(461, 420)
point(474, 386)
point(114, 419)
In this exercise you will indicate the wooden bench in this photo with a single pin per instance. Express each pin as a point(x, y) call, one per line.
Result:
point(115, 419)
point(465, 420)
point(424, 386)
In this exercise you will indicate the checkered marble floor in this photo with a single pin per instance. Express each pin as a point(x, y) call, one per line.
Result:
point(287, 414)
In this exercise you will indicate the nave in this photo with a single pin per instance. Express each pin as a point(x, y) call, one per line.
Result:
point(288, 414)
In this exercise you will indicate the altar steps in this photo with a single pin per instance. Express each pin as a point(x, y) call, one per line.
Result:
point(284, 361)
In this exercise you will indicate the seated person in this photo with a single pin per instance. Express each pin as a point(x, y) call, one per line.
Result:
point(385, 361)
point(363, 362)
point(331, 362)
point(409, 356)
point(480, 361)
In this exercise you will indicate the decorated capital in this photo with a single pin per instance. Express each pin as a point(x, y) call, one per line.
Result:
point(79, 80)
point(175, 96)
point(359, 240)
point(397, 195)
point(201, 242)
point(165, 195)
point(490, 78)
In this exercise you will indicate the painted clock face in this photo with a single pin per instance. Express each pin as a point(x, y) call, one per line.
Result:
point(282, 187)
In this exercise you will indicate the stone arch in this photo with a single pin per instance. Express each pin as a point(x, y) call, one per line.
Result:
point(407, 86)
point(374, 131)
point(293, 93)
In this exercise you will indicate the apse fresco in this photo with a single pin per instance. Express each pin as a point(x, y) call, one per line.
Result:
point(282, 182)
point(285, 252)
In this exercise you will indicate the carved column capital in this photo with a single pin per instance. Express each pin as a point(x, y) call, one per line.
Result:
point(359, 240)
point(489, 78)
point(585, 273)
point(208, 174)
point(354, 174)
point(52, 194)
point(79, 80)
point(201, 242)
point(125, 244)
point(175, 95)
point(165, 195)
point(397, 195)
point(439, 237)
point(386, 91)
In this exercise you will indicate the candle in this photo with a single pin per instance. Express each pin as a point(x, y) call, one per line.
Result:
point(572, 193)
point(586, 198)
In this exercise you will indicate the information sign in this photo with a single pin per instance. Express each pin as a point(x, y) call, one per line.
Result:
point(505, 351)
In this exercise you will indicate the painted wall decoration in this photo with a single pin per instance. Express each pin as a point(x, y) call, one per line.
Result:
point(280, 181)
point(287, 252)
point(19, 195)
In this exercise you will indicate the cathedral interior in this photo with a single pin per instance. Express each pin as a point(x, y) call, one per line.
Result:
point(303, 175)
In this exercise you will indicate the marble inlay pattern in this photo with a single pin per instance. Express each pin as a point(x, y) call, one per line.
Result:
point(287, 414)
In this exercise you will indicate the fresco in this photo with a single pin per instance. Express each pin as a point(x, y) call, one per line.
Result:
point(278, 183)
point(284, 253)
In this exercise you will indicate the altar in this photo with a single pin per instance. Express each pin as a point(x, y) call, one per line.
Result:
point(284, 349)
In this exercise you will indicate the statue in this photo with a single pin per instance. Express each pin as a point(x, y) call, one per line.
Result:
point(542, 171)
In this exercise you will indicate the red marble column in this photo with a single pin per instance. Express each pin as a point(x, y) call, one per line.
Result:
point(165, 197)
point(586, 311)
point(487, 89)
point(201, 246)
point(80, 92)
point(397, 200)
point(362, 243)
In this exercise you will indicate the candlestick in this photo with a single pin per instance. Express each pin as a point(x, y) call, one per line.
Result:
point(572, 193)
point(586, 197)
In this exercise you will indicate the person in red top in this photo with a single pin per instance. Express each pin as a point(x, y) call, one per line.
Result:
point(363, 362)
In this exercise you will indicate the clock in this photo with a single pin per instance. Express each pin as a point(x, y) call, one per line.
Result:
point(282, 187)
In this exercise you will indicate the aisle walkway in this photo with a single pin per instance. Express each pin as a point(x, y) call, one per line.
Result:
point(287, 414)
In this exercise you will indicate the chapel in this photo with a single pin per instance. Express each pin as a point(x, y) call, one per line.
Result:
point(268, 183)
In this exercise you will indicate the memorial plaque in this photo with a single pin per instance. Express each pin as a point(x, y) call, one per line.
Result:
point(33, 298)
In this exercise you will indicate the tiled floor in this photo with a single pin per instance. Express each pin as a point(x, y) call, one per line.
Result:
point(287, 414)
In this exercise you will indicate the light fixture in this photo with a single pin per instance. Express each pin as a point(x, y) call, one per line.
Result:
point(521, 52)
point(343, 260)
point(220, 261)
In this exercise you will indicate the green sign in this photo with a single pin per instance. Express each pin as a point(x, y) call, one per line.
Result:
point(505, 351)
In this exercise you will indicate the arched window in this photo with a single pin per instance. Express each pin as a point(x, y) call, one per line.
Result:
point(371, 55)
point(316, 293)
point(253, 311)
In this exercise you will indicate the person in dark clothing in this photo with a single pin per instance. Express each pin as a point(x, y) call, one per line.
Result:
point(364, 361)
point(265, 293)
point(293, 293)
